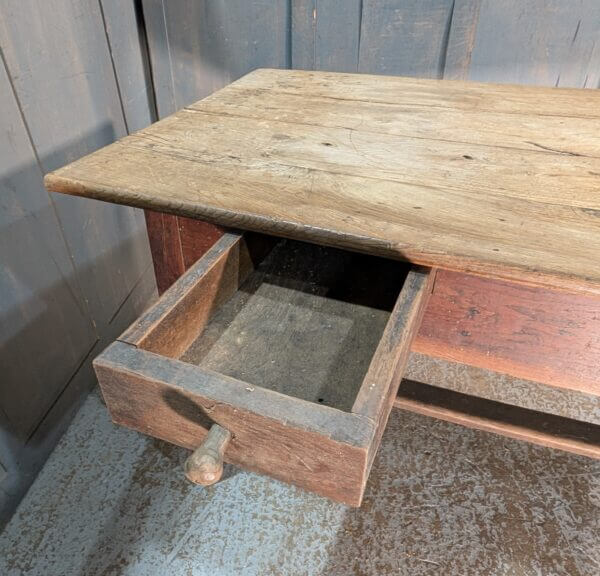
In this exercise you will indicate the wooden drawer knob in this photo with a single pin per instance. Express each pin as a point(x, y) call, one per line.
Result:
point(205, 465)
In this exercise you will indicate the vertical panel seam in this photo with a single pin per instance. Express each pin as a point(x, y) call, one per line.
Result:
point(445, 42)
point(164, 15)
point(360, 18)
point(112, 63)
point(288, 37)
point(314, 16)
point(140, 19)
point(21, 113)
point(462, 41)
point(129, 294)
point(70, 379)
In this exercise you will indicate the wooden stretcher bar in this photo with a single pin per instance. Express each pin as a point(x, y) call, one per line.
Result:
point(511, 421)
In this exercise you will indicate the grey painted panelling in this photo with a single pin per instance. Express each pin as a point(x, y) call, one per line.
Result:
point(128, 53)
point(57, 55)
point(547, 42)
point(45, 329)
point(404, 37)
point(73, 273)
point(210, 43)
point(326, 34)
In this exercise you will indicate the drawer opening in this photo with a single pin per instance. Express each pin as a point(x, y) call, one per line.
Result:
point(305, 323)
point(296, 349)
point(301, 319)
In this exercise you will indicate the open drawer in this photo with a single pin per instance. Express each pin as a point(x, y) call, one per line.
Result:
point(296, 349)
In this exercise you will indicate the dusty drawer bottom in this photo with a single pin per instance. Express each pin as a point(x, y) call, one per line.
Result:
point(297, 350)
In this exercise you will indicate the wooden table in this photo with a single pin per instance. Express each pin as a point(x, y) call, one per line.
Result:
point(497, 187)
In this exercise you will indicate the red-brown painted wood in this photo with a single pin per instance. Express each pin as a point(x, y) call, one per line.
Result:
point(197, 238)
point(165, 245)
point(528, 332)
point(176, 243)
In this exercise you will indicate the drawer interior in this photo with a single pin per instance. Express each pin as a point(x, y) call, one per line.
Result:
point(296, 349)
point(305, 322)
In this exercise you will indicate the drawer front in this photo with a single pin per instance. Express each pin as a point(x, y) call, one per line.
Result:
point(296, 350)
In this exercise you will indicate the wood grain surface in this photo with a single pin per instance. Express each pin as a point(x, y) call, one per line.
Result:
point(525, 331)
point(177, 243)
point(175, 320)
point(491, 179)
point(380, 386)
point(313, 446)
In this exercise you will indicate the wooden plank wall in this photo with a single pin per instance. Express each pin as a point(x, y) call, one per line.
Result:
point(74, 273)
point(198, 46)
point(544, 42)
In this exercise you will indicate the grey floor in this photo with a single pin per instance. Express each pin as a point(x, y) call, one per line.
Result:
point(441, 500)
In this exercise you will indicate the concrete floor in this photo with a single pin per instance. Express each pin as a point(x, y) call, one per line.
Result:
point(441, 500)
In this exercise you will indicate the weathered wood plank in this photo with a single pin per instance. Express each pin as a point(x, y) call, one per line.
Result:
point(527, 332)
point(165, 245)
point(125, 33)
point(166, 328)
point(211, 43)
point(453, 94)
point(196, 238)
point(176, 244)
point(565, 179)
point(518, 423)
point(405, 37)
point(303, 30)
point(160, 57)
point(504, 388)
point(380, 386)
point(495, 129)
point(480, 235)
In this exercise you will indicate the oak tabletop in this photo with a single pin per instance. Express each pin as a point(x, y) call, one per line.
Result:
point(496, 180)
